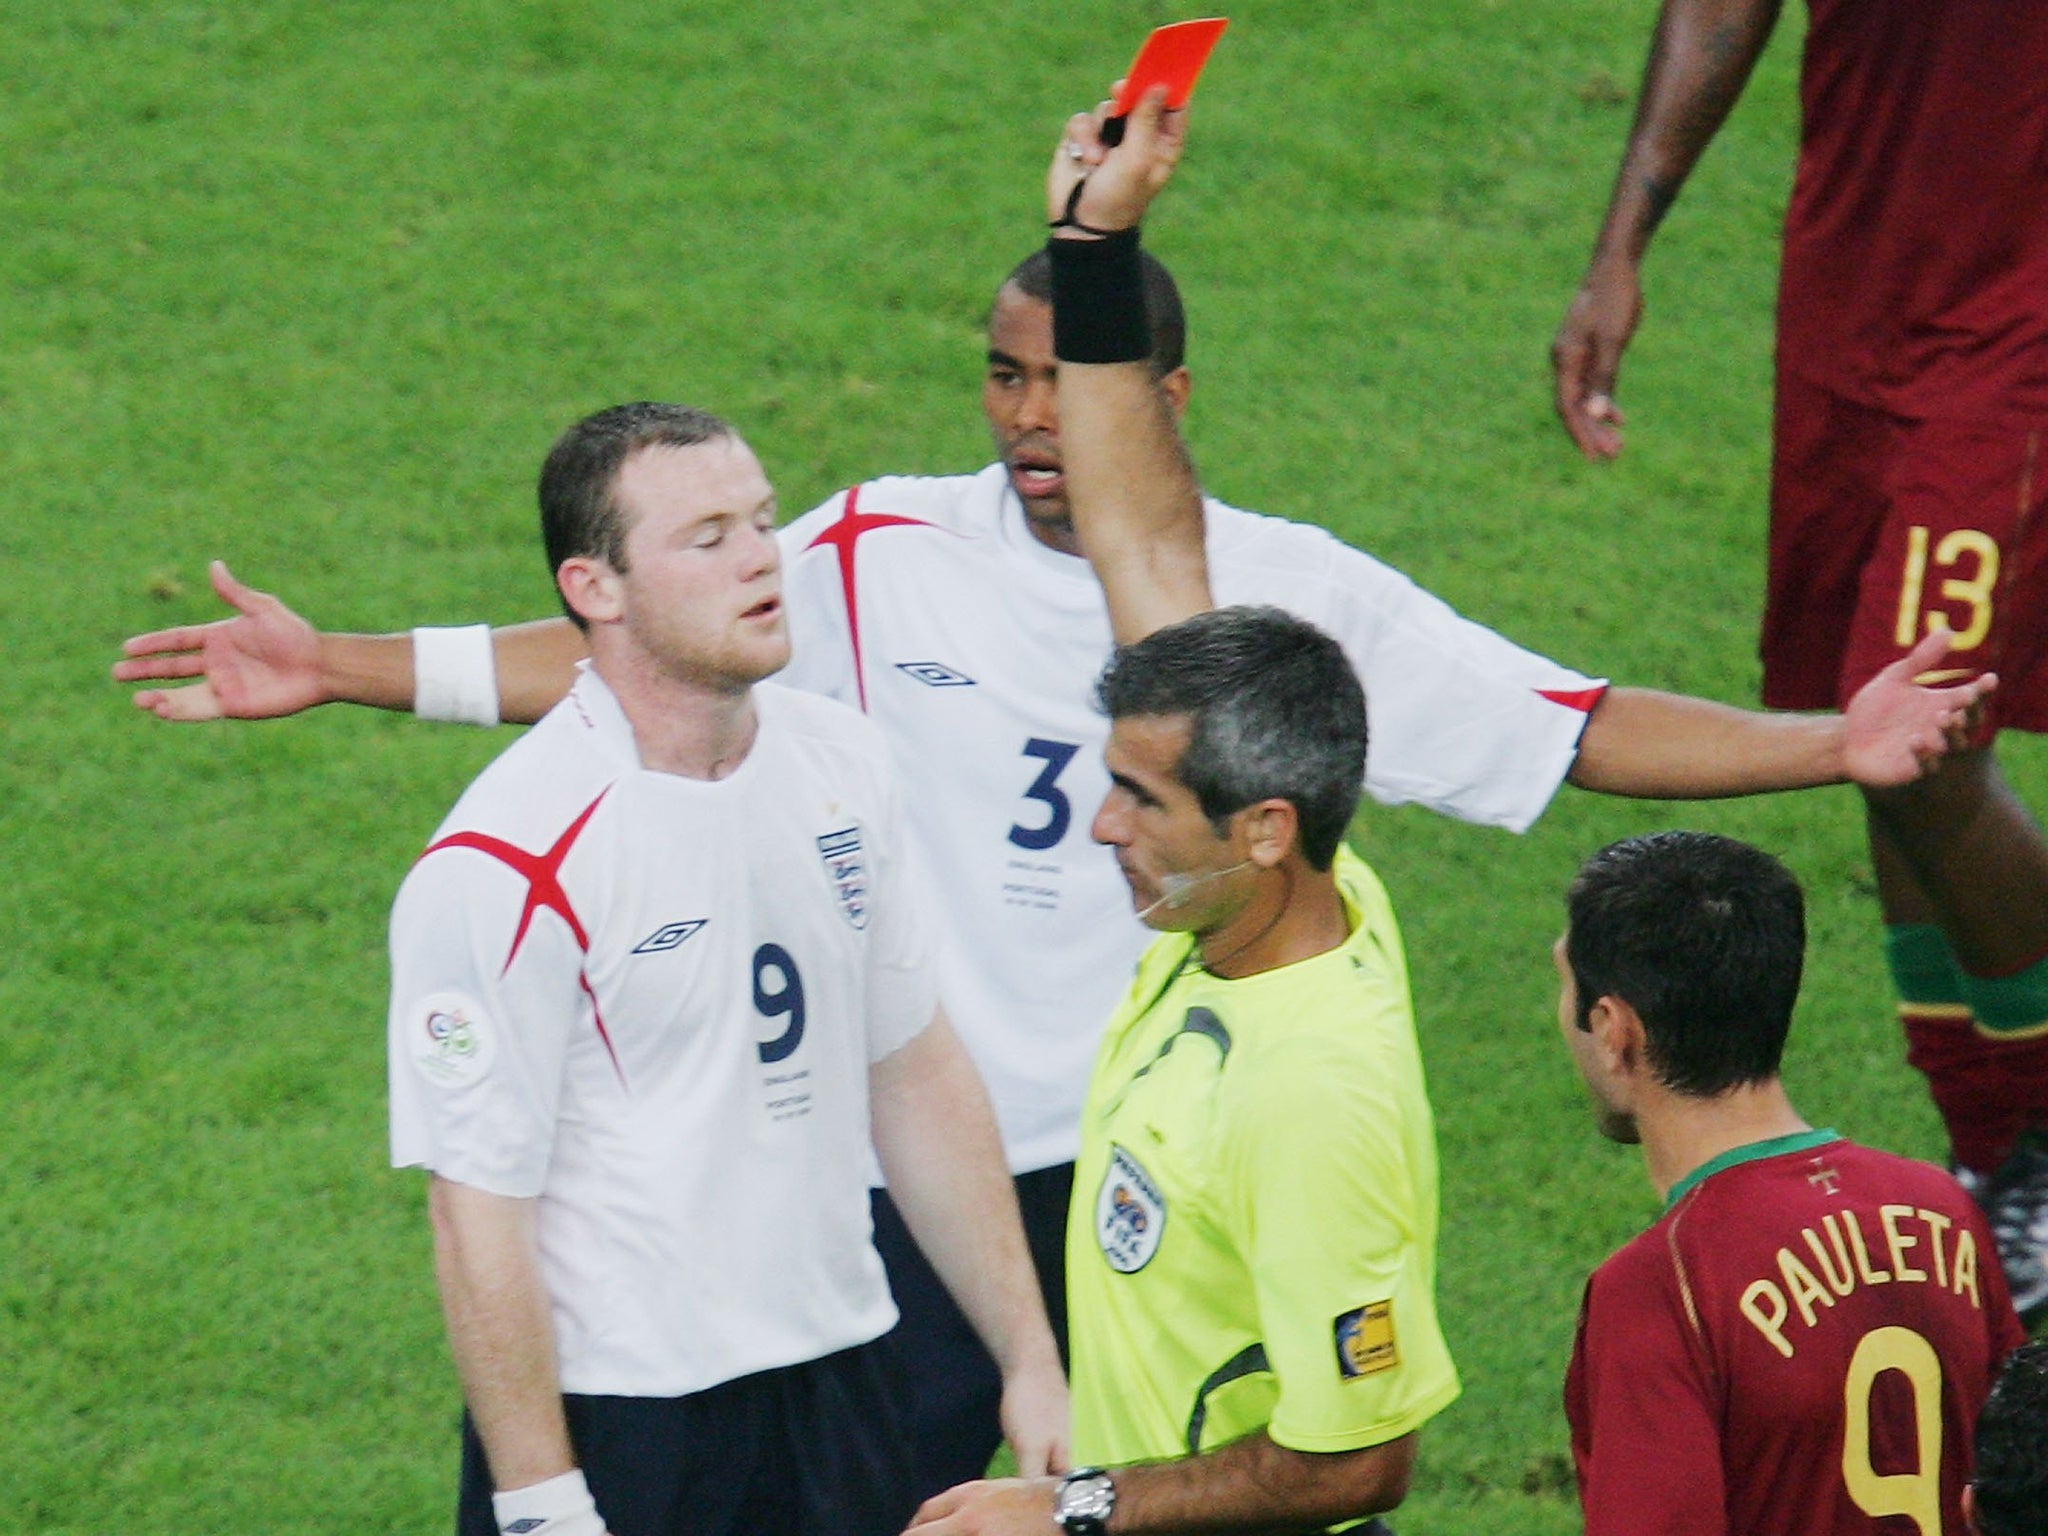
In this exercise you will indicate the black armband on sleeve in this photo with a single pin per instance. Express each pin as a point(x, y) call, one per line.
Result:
point(1098, 300)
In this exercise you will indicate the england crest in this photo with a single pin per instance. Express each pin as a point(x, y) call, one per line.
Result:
point(847, 869)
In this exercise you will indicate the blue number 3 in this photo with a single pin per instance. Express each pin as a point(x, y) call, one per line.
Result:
point(787, 998)
point(1045, 789)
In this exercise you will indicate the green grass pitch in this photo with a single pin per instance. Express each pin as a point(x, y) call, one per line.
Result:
point(313, 286)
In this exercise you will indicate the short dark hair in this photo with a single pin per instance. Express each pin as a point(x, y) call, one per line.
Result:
point(1705, 938)
point(579, 514)
point(2012, 1448)
point(1277, 713)
point(1032, 277)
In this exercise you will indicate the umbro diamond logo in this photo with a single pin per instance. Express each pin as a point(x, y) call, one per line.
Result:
point(935, 674)
point(521, 1527)
point(668, 937)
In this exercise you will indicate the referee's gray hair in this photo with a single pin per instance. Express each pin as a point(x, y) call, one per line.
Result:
point(1277, 714)
point(579, 514)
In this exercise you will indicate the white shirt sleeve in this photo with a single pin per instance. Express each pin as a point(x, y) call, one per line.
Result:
point(1458, 718)
point(477, 1049)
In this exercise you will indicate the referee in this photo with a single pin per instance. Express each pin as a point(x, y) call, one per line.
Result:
point(1251, 1249)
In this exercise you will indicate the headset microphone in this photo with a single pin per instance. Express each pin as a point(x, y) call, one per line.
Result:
point(1175, 889)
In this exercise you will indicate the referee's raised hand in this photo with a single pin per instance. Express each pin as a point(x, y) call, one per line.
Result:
point(1095, 188)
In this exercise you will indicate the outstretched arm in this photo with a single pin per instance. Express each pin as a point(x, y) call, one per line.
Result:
point(264, 662)
point(1666, 746)
point(1136, 503)
point(267, 661)
point(1701, 56)
point(935, 1136)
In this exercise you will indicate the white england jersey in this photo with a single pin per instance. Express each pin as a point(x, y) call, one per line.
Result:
point(928, 603)
point(651, 1002)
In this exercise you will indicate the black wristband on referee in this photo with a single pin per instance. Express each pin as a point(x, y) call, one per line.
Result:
point(1098, 300)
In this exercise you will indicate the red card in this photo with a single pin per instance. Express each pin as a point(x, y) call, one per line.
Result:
point(1173, 57)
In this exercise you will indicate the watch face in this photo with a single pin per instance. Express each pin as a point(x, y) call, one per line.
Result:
point(1085, 1500)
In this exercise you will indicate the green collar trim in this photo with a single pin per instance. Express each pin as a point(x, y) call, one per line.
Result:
point(1799, 1141)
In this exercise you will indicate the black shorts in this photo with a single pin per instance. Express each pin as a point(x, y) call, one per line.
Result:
point(815, 1449)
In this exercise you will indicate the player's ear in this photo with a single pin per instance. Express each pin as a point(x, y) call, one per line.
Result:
point(592, 588)
point(1175, 386)
point(1618, 1035)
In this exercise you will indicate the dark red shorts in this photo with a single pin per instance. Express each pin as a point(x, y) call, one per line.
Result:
point(1882, 527)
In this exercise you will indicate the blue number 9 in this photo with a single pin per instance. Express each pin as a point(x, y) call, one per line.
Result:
point(786, 998)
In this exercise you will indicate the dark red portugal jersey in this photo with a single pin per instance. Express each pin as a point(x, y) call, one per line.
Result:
point(1798, 1347)
point(1916, 244)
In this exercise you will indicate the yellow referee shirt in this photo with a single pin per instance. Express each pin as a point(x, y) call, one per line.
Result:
point(1253, 1236)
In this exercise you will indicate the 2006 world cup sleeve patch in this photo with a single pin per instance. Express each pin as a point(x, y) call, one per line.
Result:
point(450, 1039)
point(1365, 1340)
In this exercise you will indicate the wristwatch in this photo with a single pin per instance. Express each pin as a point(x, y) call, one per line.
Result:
point(1084, 1501)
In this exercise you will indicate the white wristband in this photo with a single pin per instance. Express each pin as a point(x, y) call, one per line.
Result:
point(455, 675)
point(561, 1506)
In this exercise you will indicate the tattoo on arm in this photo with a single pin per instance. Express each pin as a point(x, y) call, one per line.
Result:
point(1728, 41)
point(1658, 196)
point(1690, 85)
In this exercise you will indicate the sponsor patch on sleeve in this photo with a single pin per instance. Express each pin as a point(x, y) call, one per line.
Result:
point(1365, 1340)
point(450, 1039)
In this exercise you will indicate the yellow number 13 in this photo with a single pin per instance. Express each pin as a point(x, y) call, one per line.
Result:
point(1975, 590)
point(1915, 1494)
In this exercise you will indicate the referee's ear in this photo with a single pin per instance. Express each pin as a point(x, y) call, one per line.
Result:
point(1271, 830)
point(591, 588)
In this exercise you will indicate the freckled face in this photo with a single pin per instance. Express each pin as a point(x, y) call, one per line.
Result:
point(703, 583)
